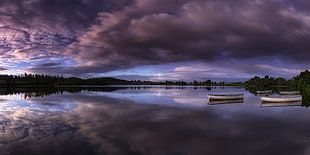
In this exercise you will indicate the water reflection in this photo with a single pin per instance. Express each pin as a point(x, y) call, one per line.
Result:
point(148, 121)
point(29, 128)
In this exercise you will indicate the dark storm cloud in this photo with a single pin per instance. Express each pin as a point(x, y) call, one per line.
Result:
point(64, 13)
point(148, 32)
point(67, 70)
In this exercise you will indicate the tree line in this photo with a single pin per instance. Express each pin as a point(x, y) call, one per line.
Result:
point(182, 83)
point(43, 80)
point(300, 81)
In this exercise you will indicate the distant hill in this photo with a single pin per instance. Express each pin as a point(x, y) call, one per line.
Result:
point(36, 80)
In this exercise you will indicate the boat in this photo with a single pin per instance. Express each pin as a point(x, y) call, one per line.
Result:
point(264, 92)
point(280, 104)
point(214, 102)
point(291, 98)
point(289, 92)
point(225, 96)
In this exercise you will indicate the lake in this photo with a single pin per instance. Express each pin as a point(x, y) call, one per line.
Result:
point(152, 120)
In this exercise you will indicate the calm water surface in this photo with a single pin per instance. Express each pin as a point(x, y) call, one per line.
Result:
point(152, 120)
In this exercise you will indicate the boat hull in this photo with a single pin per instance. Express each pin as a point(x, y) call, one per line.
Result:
point(282, 99)
point(225, 96)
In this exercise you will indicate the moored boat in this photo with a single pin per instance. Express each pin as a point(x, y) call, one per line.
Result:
point(225, 96)
point(289, 92)
point(294, 98)
point(264, 92)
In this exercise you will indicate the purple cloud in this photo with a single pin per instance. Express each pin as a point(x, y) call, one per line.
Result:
point(106, 35)
point(194, 30)
point(3, 69)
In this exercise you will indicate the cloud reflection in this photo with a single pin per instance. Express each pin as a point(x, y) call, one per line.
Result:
point(99, 124)
point(120, 127)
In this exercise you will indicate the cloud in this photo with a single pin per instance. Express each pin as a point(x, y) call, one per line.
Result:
point(49, 64)
point(46, 27)
point(194, 30)
point(3, 69)
point(106, 35)
point(229, 71)
point(263, 69)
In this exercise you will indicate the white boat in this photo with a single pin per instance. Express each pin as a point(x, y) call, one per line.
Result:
point(289, 92)
point(291, 98)
point(264, 92)
point(280, 104)
point(225, 96)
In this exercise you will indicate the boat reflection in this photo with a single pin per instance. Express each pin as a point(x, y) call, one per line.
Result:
point(289, 92)
point(214, 102)
point(280, 104)
point(264, 92)
point(262, 95)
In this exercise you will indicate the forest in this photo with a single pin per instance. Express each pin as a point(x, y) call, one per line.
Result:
point(37, 80)
point(300, 81)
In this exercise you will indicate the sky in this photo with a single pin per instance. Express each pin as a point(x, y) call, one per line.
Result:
point(155, 40)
